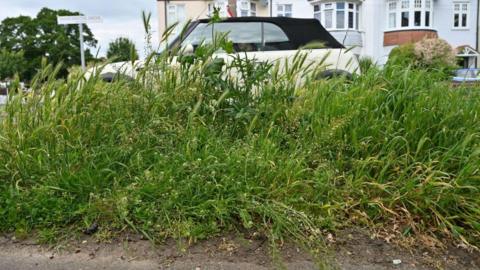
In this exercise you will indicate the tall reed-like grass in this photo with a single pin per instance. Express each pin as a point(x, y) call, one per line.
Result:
point(185, 152)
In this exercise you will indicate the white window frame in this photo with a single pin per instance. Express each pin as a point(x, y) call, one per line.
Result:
point(461, 12)
point(221, 5)
point(412, 7)
point(174, 8)
point(332, 6)
point(247, 8)
point(392, 7)
point(282, 10)
point(253, 9)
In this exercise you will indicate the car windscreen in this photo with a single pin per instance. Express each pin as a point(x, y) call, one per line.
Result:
point(245, 36)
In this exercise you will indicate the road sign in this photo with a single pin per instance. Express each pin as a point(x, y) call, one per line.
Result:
point(80, 20)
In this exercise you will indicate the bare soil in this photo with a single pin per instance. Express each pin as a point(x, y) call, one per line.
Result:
point(350, 249)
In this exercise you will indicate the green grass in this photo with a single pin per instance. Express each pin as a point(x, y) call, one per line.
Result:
point(186, 154)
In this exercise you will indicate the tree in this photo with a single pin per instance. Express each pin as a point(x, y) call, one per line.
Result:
point(11, 63)
point(41, 37)
point(122, 49)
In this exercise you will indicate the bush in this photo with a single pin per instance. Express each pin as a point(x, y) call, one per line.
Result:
point(431, 54)
point(435, 53)
point(403, 55)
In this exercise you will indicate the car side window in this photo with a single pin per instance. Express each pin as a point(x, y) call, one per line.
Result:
point(201, 34)
point(245, 36)
point(275, 39)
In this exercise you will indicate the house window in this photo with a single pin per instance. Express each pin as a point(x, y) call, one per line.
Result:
point(220, 5)
point(247, 8)
point(244, 8)
point(337, 15)
point(253, 9)
point(460, 15)
point(284, 10)
point(328, 15)
point(392, 14)
point(210, 7)
point(175, 15)
point(405, 13)
point(428, 8)
point(409, 14)
point(317, 12)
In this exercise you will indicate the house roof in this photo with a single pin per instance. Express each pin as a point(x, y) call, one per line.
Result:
point(466, 51)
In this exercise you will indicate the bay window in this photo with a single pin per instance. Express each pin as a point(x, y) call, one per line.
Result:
point(337, 15)
point(409, 14)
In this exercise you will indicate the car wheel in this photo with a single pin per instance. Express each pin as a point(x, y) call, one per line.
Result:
point(334, 73)
point(110, 77)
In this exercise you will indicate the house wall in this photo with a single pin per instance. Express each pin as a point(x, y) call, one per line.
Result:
point(370, 39)
point(195, 9)
point(198, 9)
point(301, 8)
point(478, 32)
point(262, 10)
point(443, 23)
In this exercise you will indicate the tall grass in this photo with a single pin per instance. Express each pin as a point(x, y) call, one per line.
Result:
point(186, 153)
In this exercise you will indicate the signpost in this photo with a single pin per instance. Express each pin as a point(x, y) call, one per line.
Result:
point(80, 20)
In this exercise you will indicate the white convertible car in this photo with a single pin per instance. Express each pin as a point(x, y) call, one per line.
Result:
point(264, 39)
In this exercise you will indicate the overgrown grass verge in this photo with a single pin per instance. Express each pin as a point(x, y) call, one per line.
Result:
point(182, 152)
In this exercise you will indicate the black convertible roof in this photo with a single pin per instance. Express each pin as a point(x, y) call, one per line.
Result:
point(299, 31)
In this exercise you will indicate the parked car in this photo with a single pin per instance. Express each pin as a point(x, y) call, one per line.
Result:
point(467, 75)
point(264, 39)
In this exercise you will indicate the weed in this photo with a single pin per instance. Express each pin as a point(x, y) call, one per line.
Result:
point(188, 152)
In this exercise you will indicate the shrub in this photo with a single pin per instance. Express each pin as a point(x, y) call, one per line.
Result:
point(431, 54)
point(403, 55)
point(434, 53)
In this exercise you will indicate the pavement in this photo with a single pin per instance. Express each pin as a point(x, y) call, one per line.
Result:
point(353, 251)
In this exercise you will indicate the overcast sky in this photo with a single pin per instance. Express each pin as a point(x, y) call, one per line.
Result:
point(120, 17)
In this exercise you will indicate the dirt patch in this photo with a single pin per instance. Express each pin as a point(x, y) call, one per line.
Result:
point(351, 249)
point(355, 247)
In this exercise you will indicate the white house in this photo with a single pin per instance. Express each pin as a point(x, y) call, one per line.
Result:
point(372, 27)
point(375, 27)
point(180, 11)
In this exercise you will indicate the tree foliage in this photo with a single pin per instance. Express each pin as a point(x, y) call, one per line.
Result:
point(11, 63)
point(42, 37)
point(122, 49)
